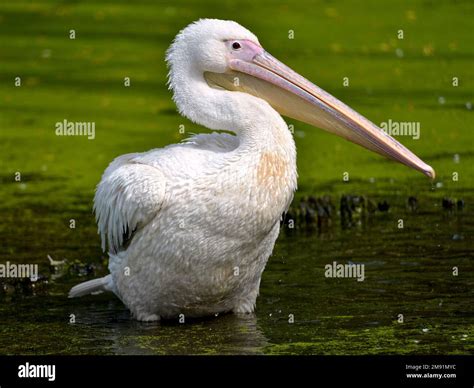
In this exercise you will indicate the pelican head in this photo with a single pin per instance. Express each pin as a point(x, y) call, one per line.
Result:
point(223, 55)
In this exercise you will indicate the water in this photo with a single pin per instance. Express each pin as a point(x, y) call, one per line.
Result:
point(408, 271)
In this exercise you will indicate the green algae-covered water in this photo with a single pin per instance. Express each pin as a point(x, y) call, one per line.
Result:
point(417, 294)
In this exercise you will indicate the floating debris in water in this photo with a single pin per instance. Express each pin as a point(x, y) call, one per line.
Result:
point(412, 204)
point(55, 263)
point(469, 105)
point(318, 213)
point(12, 287)
point(57, 267)
point(8, 289)
point(353, 208)
point(310, 212)
point(383, 206)
point(447, 203)
point(451, 204)
point(81, 269)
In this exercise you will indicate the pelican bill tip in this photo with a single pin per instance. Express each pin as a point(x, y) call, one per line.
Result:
point(430, 173)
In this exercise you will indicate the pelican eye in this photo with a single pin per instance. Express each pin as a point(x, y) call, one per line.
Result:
point(236, 45)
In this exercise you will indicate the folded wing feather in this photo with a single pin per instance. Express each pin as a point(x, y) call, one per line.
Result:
point(128, 197)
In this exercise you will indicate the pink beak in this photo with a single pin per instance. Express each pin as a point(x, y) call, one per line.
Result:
point(292, 95)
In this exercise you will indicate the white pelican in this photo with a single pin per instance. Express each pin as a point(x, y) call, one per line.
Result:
point(190, 227)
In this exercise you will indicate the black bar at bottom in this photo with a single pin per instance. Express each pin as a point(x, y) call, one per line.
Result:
point(317, 371)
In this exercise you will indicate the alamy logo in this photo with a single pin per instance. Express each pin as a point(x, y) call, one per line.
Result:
point(351, 270)
point(75, 128)
point(401, 128)
point(11, 270)
point(37, 371)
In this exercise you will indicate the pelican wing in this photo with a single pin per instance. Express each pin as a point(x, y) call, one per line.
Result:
point(128, 197)
point(217, 142)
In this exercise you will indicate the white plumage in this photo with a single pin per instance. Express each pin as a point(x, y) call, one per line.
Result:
point(204, 214)
point(189, 228)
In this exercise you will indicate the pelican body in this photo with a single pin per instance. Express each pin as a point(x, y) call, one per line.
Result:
point(189, 228)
